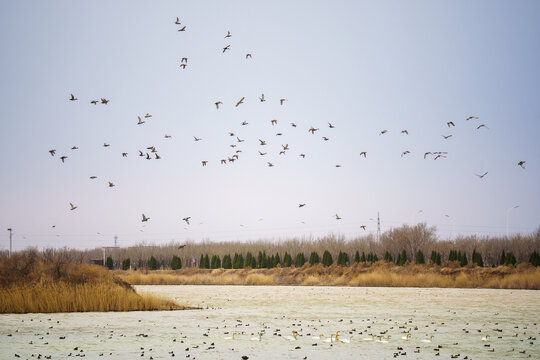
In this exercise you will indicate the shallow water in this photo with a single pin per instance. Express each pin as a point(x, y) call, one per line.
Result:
point(457, 319)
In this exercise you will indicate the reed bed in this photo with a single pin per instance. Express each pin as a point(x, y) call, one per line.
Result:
point(380, 274)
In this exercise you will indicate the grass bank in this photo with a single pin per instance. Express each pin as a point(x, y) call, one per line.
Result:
point(522, 276)
point(34, 285)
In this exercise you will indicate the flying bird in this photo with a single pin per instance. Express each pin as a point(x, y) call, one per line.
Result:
point(93, 177)
point(262, 98)
point(261, 153)
point(141, 153)
point(52, 152)
point(331, 126)
point(325, 138)
point(141, 121)
point(405, 153)
point(183, 59)
point(337, 217)
point(450, 123)
point(293, 124)
point(281, 101)
point(240, 102)
point(312, 130)
point(522, 164)
point(447, 136)
point(168, 136)
point(186, 219)
point(428, 153)
point(244, 123)
point(204, 162)
point(106, 145)
point(480, 126)
point(226, 48)
point(144, 218)
point(73, 207)
point(73, 98)
point(111, 184)
point(303, 156)
point(74, 148)
point(124, 154)
point(93, 102)
point(177, 22)
point(228, 35)
point(363, 227)
point(262, 142)
point(286, 147)
point(301, 205)
point(482, 176)
point(183, 66)
point(63, 158)
point(217, 104)
point(383, 132)
point(104, 101)
point(182, 29)
point(363, 153)
point(157, 156)
point(472, 117)
point(248, 56)
point(279, 134)
point(404, 132)
point(197, 139)
point(147, 114)
point(239, 140)
point(270, 164)
point(274, 122)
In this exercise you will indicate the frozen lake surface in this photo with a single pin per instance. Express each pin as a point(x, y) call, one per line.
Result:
point(457, 319)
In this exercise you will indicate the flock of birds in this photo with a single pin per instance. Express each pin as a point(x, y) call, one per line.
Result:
point(151, 153)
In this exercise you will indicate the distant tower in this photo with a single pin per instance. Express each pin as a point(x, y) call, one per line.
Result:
point(378, 227)
point(115, 241)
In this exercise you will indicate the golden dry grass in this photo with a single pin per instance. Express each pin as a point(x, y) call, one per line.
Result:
point(380, 274)
point(29, 284)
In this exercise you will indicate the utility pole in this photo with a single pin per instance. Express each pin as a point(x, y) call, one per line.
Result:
point(10, 242)
point(115, 241)
point(378, 227)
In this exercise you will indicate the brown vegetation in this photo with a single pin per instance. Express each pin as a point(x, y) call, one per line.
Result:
point(30, 283)
point(522, 276)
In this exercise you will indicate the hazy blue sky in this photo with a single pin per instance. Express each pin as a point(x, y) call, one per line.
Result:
point(363, 66)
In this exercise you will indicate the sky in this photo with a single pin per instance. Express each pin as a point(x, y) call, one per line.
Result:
point(363, 66)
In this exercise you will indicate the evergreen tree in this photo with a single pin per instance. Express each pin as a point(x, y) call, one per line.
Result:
point(433, 256)
point(270, 262)
point(502, 260)
point(201, 262)
point(240, 261)
point(363, 258)
point(206, 262)
point(109, 263)
point(287, 260)
point(453, 256)
point(438, 260)
point(357, 257)
point(176, 263)
point(463, 259)
point(152, 264)
point(314, 258)
point(345, 260)
point(510, 259)
point(277, 260)
point(477, 258)
point(249, 258)
point(227, 262)
point(420, 257)
point(398, 260)
point(327, 258)
point(126, 264)
point(300, 260)
point(388, 257)
point(260, 259)
point(402, 258)
point(375, 258)
point(253, 263)
point(534, 259)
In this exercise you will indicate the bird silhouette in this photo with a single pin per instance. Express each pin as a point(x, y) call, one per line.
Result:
point(481, 126)
point(177, 22)
point(262, 98)
point(184, 59)
point(262, 142)
point(204, 162)
point(325, 138)
point(447, 136)
point(157, 156)
point(141, 153)
point(472, 117)
point(93, 177)
point(482, 176)
point(141, 121)
point(64, 157)
point(240, 102)
point(73, 98)
point(337, 217)
point(183, 66)
point(168, 136)
point(106, 145)
point(383, 132)
point(286, 147)
point(52, 152)
point(74, 148)
point(124, 154)
point(104, 101)
point(405, 132)
point(148, 115)
point(226, 48)
point(144, 218)
point(270, 164)
point(331, 126)
point(363, 227)
point(228, 35)
point(111, 184)
point(186, 219)
point(262, 153)
point(73, 207)
point(522, 164)
point(281, 101)
point(428, 153)
point(303, 156)
point(94, 102)
point(450, 123)
point(405, 153)
point(239, 140)
point(312, 130)
point(182, 29)
point(279, 134)
point(301, 205)
point(244, 123)
point(217, 104)
point(293, 124)
point(197, 139)
point(248, 56)
point(363, 153)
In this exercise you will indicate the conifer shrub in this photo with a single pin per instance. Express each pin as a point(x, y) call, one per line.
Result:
point(277, 260)
point(388, 257)
point(314, 258)
point(300, 260)
point(502, 259)
point(402, 258)
point(363, 258)
point(126, 264)
point(227, 262)
point(206, 262)
point(327, 258)
point(419, 258)
point(477, 258)
point(463, 259)
point(152, 263)
point(510, 259)
point(109, 264)
point(249, 259)
point(287, 260)
point(176, 263)
point(357, 257)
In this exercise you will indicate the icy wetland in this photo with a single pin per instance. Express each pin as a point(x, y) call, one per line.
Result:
point(290, 322)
